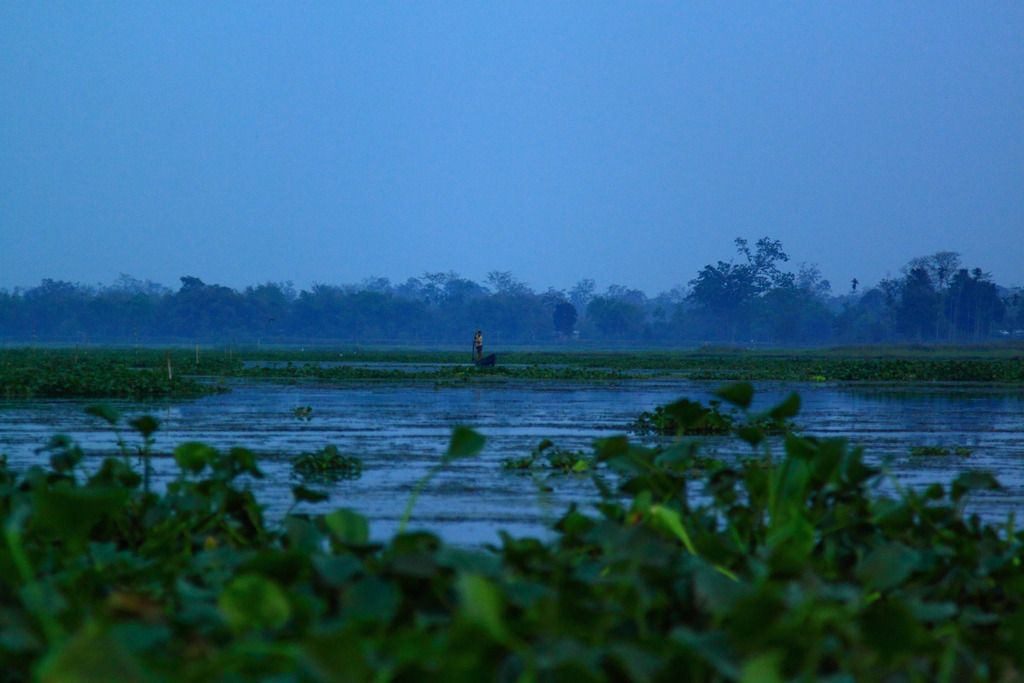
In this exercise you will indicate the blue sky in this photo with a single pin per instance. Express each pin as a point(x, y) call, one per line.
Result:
point(628, 142)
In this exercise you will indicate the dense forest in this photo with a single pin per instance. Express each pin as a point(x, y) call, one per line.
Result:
point(752, 299)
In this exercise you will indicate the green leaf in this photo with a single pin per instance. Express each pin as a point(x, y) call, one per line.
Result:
point(973, 480)
point(338, 658)
point(671, 520)
point(887, 566)
point(611, 447)
point(114, 472)
point(762, 668)
point(145, 425)
point(789, 407)
point(465, 443)
point(890, 628)
point(790, 544)
point(252, 601)
point(348, 527)
point(712, 647)
point(90, 656)
point(739, 394)
point(306, 495)
point(65, 454)
point(104, 412)
point(242, 460)
point(717, 591)
point(685, 412)
point(640, 666)
point(750, 434)
point(371, 600)
point(481, 604)
point(336, 570)
point(193, 456)
point(73, 511)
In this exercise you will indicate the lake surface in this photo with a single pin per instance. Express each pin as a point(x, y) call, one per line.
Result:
point(400, 431)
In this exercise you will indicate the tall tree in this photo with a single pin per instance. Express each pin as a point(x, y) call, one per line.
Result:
point(725, 291)
point(919, 305)
point(564, 318)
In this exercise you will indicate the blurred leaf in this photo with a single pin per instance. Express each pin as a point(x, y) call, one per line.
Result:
point(712, 647)
point(348, 527)
point(469, 560)
point(244, 460)
point(252, 602)
point(671, 520)
point(91, 656)
point(371, 600)
point(145, 425)
point(307, 495)
point(717, 592)
point(193, 456)
point(65, 454)
point(973, 480)
point(337, 658)
point(114, 472)
point(611, 447)
point(336, 570)
point(790, 544)
point(890, 628)
point(685, 412)
point(104, 412)
point(739, 394)
point(465, 443)
point(789, 407)
point(931, 612)
point(481, 603)
point(750, 434)
point(73, 511)
point(887, 566)
point(640, 666)
point(762, 668)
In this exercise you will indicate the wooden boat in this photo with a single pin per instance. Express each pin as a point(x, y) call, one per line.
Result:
point(487, 361)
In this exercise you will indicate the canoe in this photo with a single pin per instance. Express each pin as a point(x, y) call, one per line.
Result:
point(487, 361)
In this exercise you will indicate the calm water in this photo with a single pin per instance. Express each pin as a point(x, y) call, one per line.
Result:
point(401, 430)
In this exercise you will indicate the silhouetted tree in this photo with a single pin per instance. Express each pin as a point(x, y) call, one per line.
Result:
point(564, 318)
point(919, 305)
point(973, 304)
point(725, 291)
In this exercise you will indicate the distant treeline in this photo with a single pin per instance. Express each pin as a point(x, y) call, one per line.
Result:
point(751, 299)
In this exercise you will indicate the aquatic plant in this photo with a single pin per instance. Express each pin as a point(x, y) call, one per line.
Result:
point(175, 373)
point(961, 451)
point(547, 456)
point(303, 413)
point(691, 418)
point(63, 374)
point(328, 462)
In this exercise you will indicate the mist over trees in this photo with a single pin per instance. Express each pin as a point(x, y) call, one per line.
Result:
point(756, 297)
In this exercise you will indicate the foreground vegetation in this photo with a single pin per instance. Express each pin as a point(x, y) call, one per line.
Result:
point(792, 568)
point(184, 373)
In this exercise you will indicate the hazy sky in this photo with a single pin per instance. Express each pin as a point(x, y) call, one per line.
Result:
point(629, 142)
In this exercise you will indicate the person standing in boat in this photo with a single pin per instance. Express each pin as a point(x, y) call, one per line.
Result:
point(478, 346)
